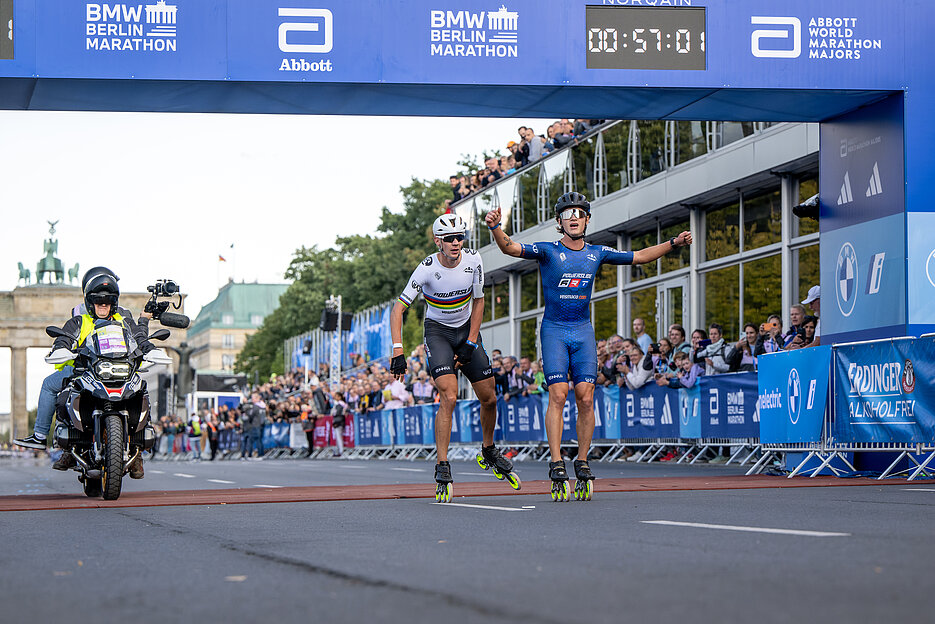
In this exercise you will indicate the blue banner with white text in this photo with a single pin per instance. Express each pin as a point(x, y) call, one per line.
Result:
point(728, 406)
point(649, 412)
point(793, 394)
point(885, 392)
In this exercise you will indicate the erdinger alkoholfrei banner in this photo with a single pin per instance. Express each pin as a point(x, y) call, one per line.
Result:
point(793, 394)
point(885, 392)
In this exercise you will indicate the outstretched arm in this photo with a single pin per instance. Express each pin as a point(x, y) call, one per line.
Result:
point(504, 242)
point(657, 251)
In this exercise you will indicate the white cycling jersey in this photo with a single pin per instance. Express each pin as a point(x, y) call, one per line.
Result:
point(448, 293)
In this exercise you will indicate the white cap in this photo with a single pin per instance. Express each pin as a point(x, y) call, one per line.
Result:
point(813, 293)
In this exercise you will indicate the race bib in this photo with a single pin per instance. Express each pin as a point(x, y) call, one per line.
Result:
point(110, 340)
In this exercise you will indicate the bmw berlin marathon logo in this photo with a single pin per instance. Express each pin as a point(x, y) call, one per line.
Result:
point(131, 27)
point(846, 276)
point(485, 34)
point(794, 391)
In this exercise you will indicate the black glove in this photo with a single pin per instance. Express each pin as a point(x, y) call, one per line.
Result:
point(398, 366)
point(465, 352)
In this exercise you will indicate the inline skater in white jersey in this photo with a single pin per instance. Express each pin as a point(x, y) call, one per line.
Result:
point(452, 284)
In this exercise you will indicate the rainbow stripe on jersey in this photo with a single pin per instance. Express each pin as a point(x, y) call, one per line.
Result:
point(452, 303)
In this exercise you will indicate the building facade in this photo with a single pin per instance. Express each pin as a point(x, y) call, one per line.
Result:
point(223, 325)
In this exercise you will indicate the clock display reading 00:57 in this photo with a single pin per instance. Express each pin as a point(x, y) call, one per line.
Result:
point(625, 37)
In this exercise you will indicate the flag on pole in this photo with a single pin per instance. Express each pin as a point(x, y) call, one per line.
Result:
point(221, 258)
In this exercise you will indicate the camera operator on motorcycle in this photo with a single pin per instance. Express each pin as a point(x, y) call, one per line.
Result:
point(101, 295)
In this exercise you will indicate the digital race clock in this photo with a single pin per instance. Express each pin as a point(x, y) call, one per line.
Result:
point(626, 37)
point(6, 29)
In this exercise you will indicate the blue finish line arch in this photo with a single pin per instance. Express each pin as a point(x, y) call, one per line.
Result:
point(857, 66)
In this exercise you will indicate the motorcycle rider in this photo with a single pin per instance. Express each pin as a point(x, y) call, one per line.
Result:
point(101, 295)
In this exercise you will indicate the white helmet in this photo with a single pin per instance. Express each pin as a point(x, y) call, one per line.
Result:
point(448, 224)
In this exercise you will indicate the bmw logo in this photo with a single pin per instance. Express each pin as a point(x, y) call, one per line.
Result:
point(794, 390)
point(846, 279)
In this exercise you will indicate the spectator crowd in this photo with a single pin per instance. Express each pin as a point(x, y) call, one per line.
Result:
point(675, 361)
point(530, 148)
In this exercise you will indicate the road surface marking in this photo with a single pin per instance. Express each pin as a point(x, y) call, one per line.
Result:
point(157, 472)
point(495, 508)
point(409, 469)
point(747, 529)
point(222, 481)
point(183, 475)
point(918, 490)
point(268, 486)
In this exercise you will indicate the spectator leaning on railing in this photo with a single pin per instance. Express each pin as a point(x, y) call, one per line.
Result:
point(638, 371)
point(688, 373)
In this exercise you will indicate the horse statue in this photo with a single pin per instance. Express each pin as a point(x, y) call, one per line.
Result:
point(73, 273)
point(24, 274)
point(50, 264)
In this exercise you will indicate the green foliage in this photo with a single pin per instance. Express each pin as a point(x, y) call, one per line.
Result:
point(364, 269)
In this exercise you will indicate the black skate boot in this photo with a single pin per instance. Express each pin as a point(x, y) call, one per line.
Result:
point(583, 481)
point(491, 459)
point(443, 489)
point(559, 481)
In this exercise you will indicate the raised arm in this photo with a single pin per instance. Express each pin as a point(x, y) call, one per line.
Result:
point(504, 242)
point(657, 251)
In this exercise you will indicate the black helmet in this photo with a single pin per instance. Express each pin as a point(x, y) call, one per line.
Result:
point(572, 200)
point(98, 270)
point(101, 288)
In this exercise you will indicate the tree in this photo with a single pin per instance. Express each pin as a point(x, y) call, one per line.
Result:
point(365, 270)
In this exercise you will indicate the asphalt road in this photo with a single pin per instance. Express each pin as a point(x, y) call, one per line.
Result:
point(829, 554)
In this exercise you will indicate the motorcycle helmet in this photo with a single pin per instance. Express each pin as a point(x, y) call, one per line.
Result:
point(448, 224)
point(94, 271)
point(101, 288)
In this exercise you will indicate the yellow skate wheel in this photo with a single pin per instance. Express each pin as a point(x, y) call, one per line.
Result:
point(498, 475)
point(514, 481)
point(589, 490)
point(449, 491)
point(481, 462)
point(554, 495)
point(565, 489)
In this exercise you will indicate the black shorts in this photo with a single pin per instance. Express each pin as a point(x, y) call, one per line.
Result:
point(442, 341)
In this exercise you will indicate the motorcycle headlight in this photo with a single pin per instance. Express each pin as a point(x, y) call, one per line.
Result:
point(106, 370)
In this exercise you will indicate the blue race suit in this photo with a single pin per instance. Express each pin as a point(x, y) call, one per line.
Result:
point(566, 333)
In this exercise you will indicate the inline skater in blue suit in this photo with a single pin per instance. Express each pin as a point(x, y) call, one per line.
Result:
point(567, 268)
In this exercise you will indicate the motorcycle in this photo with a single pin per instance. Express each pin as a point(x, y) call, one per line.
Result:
point(103, 412)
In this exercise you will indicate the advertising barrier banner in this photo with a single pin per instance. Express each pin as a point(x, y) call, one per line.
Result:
point(522, 419)
point(690, 412)
point(728, 406)
point(607, 408)
point(649, 412)
point(885, 392)
point(468, 417)
point(793, 394)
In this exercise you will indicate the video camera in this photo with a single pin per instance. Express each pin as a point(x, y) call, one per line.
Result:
point(166, 288)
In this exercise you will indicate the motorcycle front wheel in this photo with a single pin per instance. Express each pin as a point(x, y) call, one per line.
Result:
point(112, 478)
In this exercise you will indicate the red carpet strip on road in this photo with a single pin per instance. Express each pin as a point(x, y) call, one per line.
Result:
point(35, 502)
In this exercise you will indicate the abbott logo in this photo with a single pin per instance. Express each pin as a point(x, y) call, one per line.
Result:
point(775, 33)
point(324, 23)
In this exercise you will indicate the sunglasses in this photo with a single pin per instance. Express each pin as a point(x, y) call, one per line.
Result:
point(452, 238)
point(580, 213)
point(102, 299)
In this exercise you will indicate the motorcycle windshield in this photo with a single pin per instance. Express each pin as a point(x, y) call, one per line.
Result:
point(111, 340)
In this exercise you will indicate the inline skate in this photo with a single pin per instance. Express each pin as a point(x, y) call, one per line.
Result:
point(583, 481)
point(490, 458)
point(443, 487)
point(559, 481)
